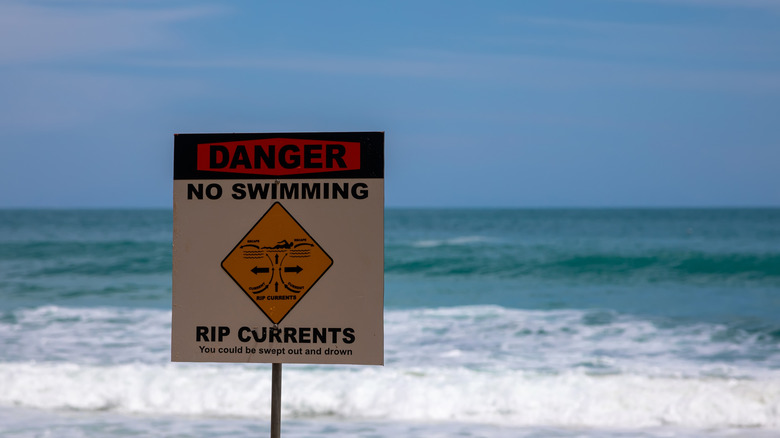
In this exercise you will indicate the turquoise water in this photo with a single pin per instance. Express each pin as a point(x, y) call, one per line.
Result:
point(696, 264)
point(499, 323)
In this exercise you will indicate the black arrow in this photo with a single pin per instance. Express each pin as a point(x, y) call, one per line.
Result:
point(257, 270)
point(277, 259)
point(276, 287)
point(296, 269)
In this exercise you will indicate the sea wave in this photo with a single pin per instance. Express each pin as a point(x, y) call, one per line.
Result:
point(454, 241)
point(596, 342)
point(95, 259)
point(519, 398)
point(484, 258)
point(91, 335)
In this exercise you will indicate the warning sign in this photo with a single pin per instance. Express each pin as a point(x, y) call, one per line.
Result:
point(276, 263)
point(278, 248)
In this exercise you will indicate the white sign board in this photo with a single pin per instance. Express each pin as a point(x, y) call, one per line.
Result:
point(278, 248)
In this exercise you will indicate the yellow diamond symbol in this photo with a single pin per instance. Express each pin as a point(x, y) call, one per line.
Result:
point(276, 263)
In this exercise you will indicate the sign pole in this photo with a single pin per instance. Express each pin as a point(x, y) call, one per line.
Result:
point(276, 400)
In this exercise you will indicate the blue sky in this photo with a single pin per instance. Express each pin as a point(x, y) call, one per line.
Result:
point(555, 103)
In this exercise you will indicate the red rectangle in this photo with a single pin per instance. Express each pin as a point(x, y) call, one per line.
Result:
point(279, 156)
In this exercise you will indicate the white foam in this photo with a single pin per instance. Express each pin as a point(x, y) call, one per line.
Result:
point(492, 337)
point(87, 335)
point(454, 241)
point(483, 364)
point(398, 393)
point(476, 337)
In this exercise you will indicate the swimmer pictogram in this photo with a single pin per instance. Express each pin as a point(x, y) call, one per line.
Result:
point(276, 263)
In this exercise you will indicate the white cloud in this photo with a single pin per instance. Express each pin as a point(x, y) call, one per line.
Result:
point(512, 71)
point(772, 5)
point(653, 41)
point(44, 100)
point(37, 33)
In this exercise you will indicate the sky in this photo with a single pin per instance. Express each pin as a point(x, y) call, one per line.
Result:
point(555, 103)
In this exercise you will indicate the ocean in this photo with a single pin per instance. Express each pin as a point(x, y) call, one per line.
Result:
point(499, 323)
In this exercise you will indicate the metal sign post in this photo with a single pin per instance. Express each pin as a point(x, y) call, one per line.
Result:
point(276, 400)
